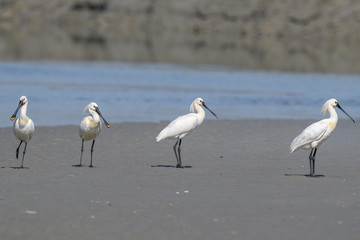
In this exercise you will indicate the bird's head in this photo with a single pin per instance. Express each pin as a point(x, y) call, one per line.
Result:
point(332, 103)
point(200, 102)
point(93, 108)
point(23, 100)
point(329, 103)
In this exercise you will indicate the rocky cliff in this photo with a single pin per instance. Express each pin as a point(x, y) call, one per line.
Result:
point(286, 35)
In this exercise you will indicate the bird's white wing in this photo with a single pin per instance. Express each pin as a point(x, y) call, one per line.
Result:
point(31, 128)
point(24, 129)
point(181, 125)
point(310, 134)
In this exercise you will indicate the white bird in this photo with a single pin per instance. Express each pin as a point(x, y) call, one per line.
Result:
point(90, 128)
point(183, 125)
point(315, 134)
point(23, 126)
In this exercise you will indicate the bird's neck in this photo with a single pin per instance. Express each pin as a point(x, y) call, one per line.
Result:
point(333, 115)
point(96, 117)
point(200, 113)
point(23, 111)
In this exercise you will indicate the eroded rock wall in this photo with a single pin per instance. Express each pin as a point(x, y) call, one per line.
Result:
point(287, 35)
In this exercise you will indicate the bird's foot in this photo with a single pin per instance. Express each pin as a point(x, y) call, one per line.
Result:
point(179, 166)
point(311, 175)
point(91, 166)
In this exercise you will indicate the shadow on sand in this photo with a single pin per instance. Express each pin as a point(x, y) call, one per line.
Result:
point(18, 167)
point(303, 175)
point(169, 166)
point(79, 166)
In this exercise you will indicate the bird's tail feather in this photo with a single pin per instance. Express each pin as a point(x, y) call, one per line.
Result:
point(162, 135)
point(294, 146)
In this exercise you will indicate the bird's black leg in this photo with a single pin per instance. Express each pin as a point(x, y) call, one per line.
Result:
point(177, 158)
point(92, 150)
point(179, 165)
point(310, 161)
point(174, 147)
point(82, 150)
point(313, 162)
point(17, 150)
point(22, 162)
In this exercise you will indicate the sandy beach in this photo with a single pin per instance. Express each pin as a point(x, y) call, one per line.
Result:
point(240, 182)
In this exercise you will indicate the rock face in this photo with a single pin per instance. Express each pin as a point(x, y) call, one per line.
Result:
point(309, 35)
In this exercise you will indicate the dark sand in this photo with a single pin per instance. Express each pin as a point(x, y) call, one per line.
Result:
point(241, 183)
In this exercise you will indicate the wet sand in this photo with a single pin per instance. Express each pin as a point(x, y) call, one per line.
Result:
point(240, 183)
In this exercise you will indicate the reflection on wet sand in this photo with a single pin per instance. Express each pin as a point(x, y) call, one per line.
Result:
point(256, 35)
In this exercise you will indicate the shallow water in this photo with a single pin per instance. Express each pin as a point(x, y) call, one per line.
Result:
point(58, 92)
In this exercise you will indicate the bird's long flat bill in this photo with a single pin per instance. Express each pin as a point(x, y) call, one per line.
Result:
point(17, 109)
point(345, 112)
point(106, 123)
point(210, 111)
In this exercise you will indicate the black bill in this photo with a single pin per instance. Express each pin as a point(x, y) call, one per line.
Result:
point(210, 111)
point(345, 112)
point(17, 109)
point(106, 123)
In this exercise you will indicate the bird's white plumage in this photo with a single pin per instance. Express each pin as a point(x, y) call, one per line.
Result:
point(184, 124)
point(315, 134)
point(23, 126)
point(318, 132)
point(312, 136)
point(179, 128)
point(90, 126)
point(89, 129)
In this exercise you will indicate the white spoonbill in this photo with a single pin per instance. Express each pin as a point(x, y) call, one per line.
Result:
point(23, 126)
point(183, 125)
point(317, 133)
point(90, 128)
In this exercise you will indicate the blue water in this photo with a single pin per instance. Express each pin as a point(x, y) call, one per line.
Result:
point(58, 92)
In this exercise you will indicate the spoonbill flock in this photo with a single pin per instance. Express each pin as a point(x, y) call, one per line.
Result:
point(309, 139)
